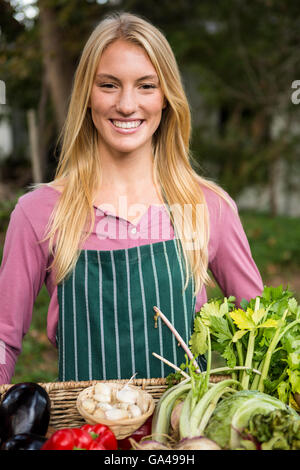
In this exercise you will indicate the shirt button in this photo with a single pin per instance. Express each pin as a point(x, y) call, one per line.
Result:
point(133, 230)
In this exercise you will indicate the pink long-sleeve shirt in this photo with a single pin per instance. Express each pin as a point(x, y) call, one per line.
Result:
point(24, 265)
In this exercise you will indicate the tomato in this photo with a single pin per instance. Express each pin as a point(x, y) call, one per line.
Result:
point(144, 430)
point(63, 439)
point(102, 434)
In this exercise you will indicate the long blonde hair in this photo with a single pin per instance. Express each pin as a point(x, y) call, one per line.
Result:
point(79, 166)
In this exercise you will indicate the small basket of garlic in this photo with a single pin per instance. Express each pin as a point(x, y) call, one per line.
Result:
point(124, 408)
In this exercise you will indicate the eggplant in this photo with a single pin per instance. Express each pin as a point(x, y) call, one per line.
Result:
point(26, 441)
point(5, 425)
point(28, 407)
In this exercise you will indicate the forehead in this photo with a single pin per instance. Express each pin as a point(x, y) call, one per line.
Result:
point(125, 57)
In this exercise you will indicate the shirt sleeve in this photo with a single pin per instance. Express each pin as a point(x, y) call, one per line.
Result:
point(233, 266)
point(22, 274)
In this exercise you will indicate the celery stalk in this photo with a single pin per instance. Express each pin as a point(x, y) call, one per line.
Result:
point(254, 385)
point(248, 361)
point(237, 345)
point(250, 351)
point(276, 338)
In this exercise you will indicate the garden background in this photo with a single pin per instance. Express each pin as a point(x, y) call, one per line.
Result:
point(240, 65)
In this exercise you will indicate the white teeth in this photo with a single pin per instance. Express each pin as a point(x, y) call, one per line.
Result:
point(126, 125)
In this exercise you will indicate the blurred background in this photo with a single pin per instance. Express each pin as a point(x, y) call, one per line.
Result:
point(240, 64)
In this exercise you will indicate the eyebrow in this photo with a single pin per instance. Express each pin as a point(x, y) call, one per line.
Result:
point(112, 77)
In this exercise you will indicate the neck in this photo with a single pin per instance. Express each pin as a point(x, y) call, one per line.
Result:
point(126, 172)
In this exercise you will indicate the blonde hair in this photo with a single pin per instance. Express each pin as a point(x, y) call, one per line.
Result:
point(80, 169)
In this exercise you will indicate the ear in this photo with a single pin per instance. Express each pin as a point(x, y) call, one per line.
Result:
point(165, 103)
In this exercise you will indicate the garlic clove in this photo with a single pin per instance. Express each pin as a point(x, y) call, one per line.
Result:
point(135, 411)
point(102, 398)
point(122, 405)
point(88, 405)
point(102, 389)
point(104, 406)
point(99, 414)
point(127, 395)
point(142, 404)
point(115, 414)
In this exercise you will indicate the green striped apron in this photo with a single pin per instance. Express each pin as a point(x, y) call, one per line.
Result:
point(106, 327)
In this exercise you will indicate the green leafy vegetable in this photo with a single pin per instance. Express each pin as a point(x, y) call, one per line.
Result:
point(232, 415)
point(277, 430)
point(263, 335)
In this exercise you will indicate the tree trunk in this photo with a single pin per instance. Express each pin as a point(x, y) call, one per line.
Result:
point(34, 147)
point(58, 68)
point(42, 126)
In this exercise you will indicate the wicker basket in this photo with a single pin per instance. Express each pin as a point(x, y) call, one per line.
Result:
point(63, 396)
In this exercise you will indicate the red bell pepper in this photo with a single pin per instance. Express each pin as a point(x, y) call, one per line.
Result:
point(82, 439)
point(88, 437)
point(102, 434)
point(96, 445)
point(63, 439)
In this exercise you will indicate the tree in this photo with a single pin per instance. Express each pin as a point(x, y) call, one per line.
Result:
point(243, 57)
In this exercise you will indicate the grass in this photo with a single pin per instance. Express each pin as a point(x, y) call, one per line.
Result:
point(275, 248)
point(38, 359)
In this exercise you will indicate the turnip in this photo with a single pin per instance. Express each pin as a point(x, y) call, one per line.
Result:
point(197, 443)
point(148, 445)
point(175, 416)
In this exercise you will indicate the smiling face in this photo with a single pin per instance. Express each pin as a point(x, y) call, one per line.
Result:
point(126, 100)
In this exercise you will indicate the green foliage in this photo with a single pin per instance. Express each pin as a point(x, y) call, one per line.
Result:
point(252, 337)
point(274, 241)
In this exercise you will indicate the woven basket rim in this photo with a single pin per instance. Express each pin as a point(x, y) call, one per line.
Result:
point(72, 384)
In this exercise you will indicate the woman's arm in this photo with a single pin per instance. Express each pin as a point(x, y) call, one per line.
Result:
point(232, 265)
point(22, 274)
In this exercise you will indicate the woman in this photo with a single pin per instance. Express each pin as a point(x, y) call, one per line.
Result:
point(126, 225)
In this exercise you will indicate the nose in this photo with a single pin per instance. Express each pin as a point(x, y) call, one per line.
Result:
point(126, 102)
